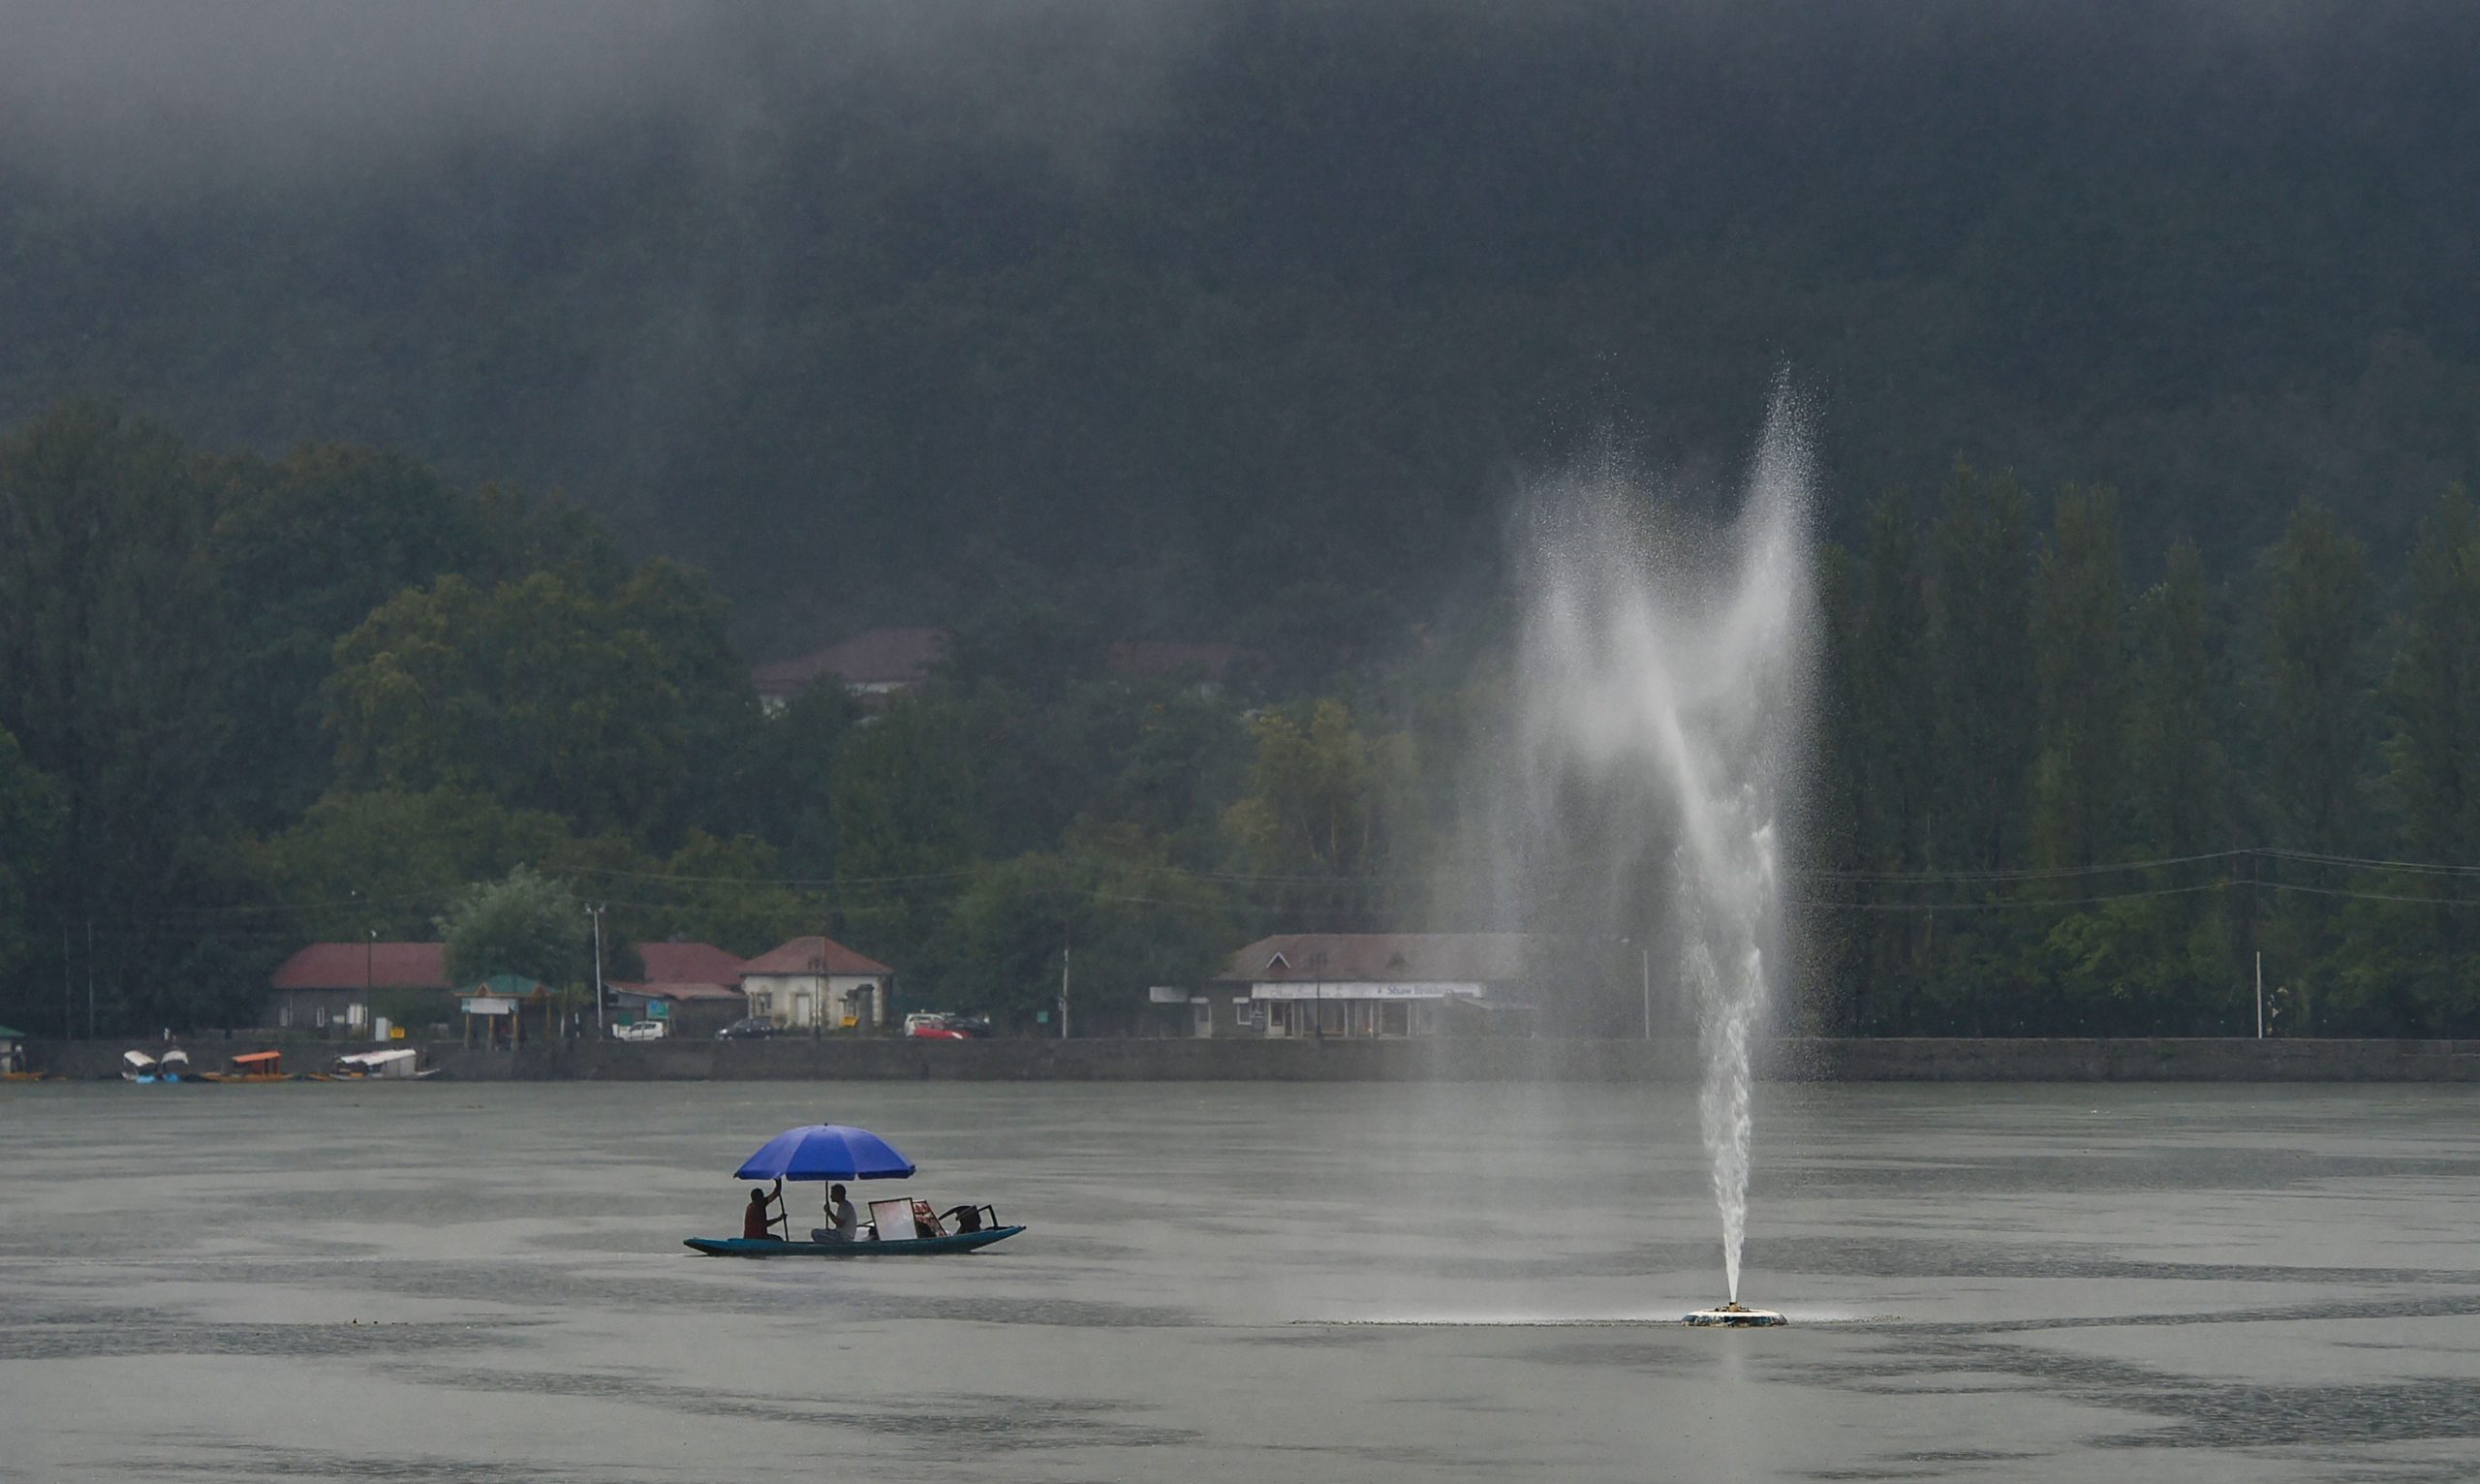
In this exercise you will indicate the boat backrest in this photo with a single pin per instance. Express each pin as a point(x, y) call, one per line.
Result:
point(893, 1218)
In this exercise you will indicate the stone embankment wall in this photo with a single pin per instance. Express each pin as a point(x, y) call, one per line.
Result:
point(1784, 1058)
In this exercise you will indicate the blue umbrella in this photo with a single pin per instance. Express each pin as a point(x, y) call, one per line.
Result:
point(825, 1151)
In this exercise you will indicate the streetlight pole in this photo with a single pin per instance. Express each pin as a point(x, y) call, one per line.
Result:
point(1645, 965)
point(595, 913)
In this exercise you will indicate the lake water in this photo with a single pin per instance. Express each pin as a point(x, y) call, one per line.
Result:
point(1225, 1281)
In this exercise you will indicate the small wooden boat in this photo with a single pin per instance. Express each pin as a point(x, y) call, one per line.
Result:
point(830, 1153)
point(909, 1247)
point(252, 1066)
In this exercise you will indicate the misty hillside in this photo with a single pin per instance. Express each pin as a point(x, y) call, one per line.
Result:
point(1169, 312)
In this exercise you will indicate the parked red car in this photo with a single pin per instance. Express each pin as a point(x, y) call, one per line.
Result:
point(933, 1025)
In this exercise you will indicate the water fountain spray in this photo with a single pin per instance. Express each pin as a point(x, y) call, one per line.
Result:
point(1664, 702)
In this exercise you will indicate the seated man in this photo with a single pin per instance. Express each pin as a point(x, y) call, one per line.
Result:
point(756, 1222)
point(843, 1223)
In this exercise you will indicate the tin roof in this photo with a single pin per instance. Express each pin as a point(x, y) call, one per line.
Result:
point(361, 964)
point(655, 989)
point(687, 963)
point(1378, 958)
point(810, 955)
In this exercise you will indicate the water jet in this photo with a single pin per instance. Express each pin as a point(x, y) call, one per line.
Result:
point(1662, 710)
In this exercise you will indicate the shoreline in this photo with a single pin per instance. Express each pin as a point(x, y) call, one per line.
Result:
point(1780, 1059)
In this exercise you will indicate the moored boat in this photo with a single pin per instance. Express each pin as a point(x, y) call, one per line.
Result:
point(252, 1067)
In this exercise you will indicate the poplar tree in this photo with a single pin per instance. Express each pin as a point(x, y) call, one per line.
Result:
point(2081, 666)
point(2433, 766)
point(2433, 756)
point(2316, 732)
point(1982, 670)
point(109, 677)
point(2176, 759)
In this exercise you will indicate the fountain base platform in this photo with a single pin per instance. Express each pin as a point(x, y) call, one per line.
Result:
point(1734, 1316)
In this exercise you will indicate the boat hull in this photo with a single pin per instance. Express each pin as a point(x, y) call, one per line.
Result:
point(918, 1246)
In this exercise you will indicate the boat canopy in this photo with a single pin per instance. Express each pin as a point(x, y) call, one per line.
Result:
point(378, 1058)
point(825, 1151)
point(258, 1058)
point(138, 1058)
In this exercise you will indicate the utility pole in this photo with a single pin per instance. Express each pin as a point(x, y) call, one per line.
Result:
point(2260, 994)
point(1066, 947)
point(90, 978)
point(595, 913)
point(68, 989)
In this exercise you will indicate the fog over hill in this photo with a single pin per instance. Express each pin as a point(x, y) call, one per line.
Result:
point(1171, 312)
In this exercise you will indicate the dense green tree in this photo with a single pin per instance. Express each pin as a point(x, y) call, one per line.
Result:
point(392, 862)
point(788, 783)
point(305, 547)
point(525, 923)
point(726, 893)
point(905, 788)
point(606, 710)
point(1117, 926)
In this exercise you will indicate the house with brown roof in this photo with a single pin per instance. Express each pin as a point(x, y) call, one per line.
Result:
point(817, 984)
point(692, 987)
point(878, 663)
point(1365, 985)
point(330, 983)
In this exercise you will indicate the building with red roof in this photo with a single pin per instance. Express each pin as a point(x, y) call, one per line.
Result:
point(325, 983)
point(815, 982)
point(692, 987)
point(877, 662)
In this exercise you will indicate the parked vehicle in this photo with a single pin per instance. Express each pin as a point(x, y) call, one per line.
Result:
point(639, 1031)
point(749, 1028)
point(938, 1026)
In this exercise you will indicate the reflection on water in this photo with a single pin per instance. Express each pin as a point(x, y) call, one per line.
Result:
point(1385, 1281)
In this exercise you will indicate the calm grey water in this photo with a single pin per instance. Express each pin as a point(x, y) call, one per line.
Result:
point(465, 1282)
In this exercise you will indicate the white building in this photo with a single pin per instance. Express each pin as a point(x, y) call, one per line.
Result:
point(816, 982)
point(1362, 985)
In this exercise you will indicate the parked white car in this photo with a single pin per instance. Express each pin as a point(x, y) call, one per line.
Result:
point(639, 1031)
